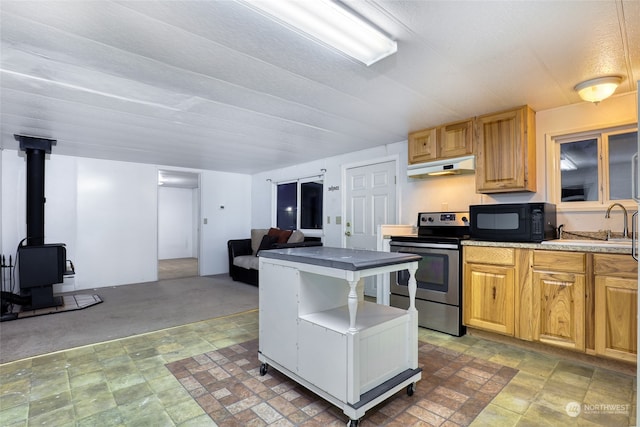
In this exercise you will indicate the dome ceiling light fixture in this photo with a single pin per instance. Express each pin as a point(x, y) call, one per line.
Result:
point(595, 90)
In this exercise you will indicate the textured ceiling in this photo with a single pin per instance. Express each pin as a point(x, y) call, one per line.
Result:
point(214, 85)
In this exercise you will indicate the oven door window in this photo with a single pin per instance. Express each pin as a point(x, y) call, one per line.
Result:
point(432, 273)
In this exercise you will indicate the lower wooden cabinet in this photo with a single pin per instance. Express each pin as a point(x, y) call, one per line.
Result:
point(559, 298)
point(580, 301)
point(488, 289)
point(560, 309)
point(616, 306)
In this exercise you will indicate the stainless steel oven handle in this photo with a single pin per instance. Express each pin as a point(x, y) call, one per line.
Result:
point(409, 245)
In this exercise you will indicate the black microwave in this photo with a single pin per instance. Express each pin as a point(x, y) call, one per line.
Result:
point(513, 222)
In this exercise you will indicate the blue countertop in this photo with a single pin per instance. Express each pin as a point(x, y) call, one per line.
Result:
point(340, 258)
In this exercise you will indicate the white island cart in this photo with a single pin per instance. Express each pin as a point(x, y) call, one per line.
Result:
point(316, 328)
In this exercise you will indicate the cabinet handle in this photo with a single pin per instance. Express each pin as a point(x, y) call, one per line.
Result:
point(634, 178)
point(494, 292)
point(634, 235)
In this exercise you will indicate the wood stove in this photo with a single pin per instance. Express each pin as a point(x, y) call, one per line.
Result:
point(40, 265)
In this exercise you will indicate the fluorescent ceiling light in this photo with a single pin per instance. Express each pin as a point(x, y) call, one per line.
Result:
point(566, 164)
point(330, 23)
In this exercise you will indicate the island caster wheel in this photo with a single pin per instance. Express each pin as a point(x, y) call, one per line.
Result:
point(263, 369)
point(411, 388)
point(352, 423)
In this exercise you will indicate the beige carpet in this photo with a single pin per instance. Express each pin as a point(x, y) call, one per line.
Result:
point(228, 386)
point(125, 311)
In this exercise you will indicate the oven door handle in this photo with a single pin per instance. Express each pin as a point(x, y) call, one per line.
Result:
point(408, 246)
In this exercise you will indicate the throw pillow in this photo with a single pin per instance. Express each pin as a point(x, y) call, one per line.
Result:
point(282, 235)
point(256, 238)
point(296, 237)
point(266, 243)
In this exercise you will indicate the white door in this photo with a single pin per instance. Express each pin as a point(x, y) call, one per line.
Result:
point(370, 202)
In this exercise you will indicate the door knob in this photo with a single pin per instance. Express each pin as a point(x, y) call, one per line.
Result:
point(347, 233)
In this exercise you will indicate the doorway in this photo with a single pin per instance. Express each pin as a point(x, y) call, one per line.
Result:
point(178, 224)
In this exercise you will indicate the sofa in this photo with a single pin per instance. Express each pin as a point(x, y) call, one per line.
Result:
point(243, 253)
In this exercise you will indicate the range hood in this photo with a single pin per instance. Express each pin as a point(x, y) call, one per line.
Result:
point(455, 166)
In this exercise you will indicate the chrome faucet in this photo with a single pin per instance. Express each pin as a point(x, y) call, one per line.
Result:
point(625, 231)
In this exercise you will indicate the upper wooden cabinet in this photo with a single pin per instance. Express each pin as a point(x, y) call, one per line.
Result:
point(506, 151)
point(442, 142)
point(422, 146)
point(455, 139)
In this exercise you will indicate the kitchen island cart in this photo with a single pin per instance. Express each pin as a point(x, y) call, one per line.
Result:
point(316, 328)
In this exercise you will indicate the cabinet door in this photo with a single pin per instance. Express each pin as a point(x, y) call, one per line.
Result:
point(505, 157)
point(278, 315)
point(488, 297)
point(616, 317)
point(455, 139)
point(423, 146)
point(560, 300)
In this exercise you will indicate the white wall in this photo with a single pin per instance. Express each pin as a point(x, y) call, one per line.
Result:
point(116, 224)
point(263, 215)
point(617, 110)
point(226, 206)
point(448, 192)
point(177, 231)
point(106, 213)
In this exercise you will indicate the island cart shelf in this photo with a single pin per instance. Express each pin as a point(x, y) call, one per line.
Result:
point(316, 328)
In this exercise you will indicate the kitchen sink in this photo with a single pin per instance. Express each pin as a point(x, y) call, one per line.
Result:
point(613, 243)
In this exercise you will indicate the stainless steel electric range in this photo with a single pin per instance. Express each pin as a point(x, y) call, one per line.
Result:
point(439, 274)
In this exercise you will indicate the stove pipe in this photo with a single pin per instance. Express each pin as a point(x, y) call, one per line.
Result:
point(36, 149)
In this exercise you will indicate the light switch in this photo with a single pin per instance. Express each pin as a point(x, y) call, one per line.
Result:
point(204, 221)
point(338, 220)
point(329, 219)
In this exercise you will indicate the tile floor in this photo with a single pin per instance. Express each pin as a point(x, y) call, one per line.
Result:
point(125, 382)
point(227, 384)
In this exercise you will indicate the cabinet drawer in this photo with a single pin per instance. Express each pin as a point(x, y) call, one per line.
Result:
point(615, 265)
point(573, 262)
point(489, 255)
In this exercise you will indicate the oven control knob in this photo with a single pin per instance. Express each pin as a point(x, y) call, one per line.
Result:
point(430, 219)
point(465, 219)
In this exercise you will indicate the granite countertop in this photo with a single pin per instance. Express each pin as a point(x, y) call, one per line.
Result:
point(571, 245)
point(340, 258)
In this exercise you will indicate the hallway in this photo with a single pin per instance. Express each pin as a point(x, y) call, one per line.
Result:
point(177, 268)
